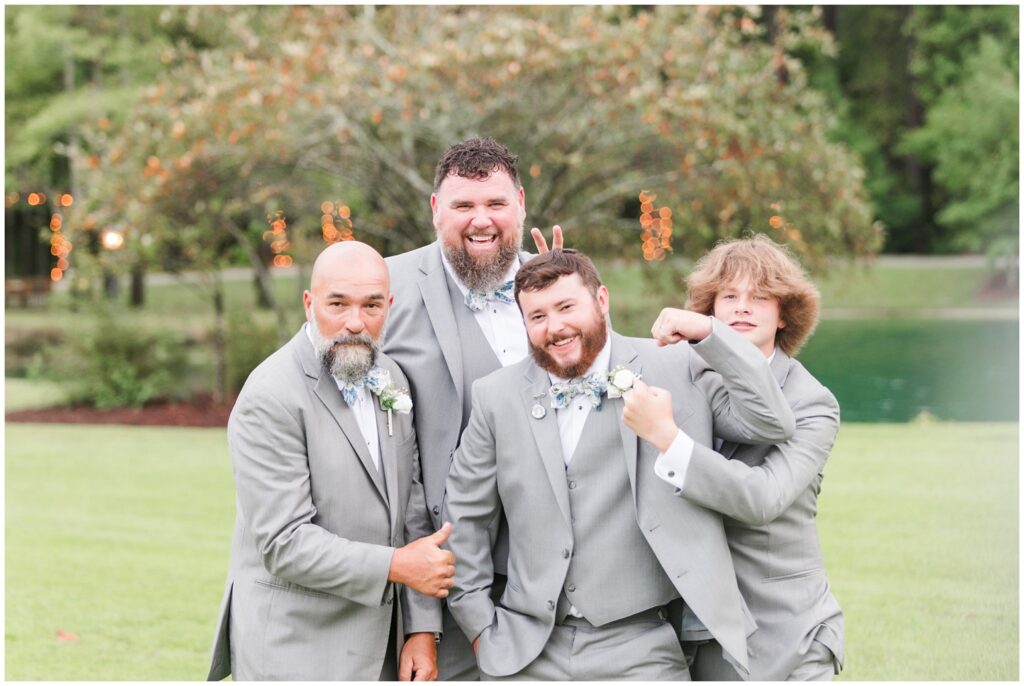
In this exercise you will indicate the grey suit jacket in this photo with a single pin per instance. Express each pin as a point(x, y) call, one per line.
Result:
point(423, 338)
point(769, 494)
point(307, 595)
point(510, 459)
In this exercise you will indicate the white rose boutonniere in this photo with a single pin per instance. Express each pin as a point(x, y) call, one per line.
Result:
point(391, 398)
point(620, 380)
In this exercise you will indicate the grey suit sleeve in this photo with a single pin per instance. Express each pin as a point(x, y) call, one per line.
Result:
point(746, 400)
point(268, 451)
point(757, 495)
point(419, 612)
point(472, 505)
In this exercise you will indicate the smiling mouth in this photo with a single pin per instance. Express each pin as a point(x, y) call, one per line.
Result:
point(482, 240)
point(743, 325)
point(563, 342)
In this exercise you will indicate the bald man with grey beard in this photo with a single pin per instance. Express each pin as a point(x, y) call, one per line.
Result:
point(322, 583)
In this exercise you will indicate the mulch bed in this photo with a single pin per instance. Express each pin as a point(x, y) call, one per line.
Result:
point(199, 410)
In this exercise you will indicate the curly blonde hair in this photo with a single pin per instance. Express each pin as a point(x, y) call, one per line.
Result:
point(771, 269)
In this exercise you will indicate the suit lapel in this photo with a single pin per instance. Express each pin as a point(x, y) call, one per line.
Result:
point(434, 289)
point(388, 459)
point(545, 434)
point(327, 390)
point(624, 355)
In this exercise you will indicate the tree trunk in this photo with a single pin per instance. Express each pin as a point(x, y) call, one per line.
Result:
point(219, 339)
point(138, 288)
point(262, 276)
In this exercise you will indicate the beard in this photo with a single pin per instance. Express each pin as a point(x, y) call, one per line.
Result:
point(592, 340)
point(484, 273)
point(347, 357)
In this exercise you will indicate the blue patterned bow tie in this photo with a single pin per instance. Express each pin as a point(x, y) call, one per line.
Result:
point(375, 380)
point(591, 386)
point(477, 300)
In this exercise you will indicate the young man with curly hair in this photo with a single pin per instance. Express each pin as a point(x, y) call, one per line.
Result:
point(768, 494)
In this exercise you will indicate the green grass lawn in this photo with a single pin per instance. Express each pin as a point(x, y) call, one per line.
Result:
point(121, 536)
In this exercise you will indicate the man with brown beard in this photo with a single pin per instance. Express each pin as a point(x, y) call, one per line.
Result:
point(599, 545)
point(322, 584)
point(454, 321)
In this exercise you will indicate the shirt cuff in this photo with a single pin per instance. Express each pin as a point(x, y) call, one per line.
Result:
point(672, 464)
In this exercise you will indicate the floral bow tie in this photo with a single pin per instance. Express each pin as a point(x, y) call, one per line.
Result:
point(591, 386)
point(477, 300)
point(376, 380)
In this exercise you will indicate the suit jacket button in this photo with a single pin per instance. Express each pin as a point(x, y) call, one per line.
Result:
point(551, 604)
point(571, 588)
point(565, 553)
point(671, 474)
point(436, 510)
point(572, 484)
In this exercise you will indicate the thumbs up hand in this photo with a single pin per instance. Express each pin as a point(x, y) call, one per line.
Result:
point(423, 566)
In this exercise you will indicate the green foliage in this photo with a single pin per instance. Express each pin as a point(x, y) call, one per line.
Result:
point(356, 104)
point(123, 366)
point(972, 137)
point(67, 66)
point(249, 342)
point(31, 353)
point(946, 37)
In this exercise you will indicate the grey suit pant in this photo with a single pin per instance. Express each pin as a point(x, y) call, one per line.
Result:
point(646, 650)
point(455, 658)
point(707, 663)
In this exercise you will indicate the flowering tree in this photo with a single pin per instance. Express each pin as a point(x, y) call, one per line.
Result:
point(675, 125)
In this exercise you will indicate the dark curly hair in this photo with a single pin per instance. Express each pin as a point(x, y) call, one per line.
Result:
point(476, 158)
point(543, 270)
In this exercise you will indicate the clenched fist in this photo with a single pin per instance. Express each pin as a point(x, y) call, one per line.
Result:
point(423, 566)
point(647, 411)
point(674, 325)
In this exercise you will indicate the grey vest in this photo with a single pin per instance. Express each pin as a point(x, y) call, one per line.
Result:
point(613, 572)
point(478, 360)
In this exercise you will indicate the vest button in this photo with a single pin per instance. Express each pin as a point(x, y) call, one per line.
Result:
point(437, 510)
point(572, 484)
point(571, 588)
point(551, 604)
point(565, 553)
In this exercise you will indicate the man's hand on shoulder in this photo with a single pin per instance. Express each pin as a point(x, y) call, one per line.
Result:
point(418, 661)
point(423, 566)
point(674, 325)
point(542, 244)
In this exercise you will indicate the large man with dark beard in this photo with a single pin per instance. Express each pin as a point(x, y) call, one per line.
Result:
point(599, 545)
point(323, 584)
point(455, 320)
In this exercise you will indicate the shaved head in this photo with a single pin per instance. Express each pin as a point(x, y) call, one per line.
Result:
point(347, 306)
point(349, 256)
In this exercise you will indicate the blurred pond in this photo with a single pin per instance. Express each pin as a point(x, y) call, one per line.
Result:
point(893, 370)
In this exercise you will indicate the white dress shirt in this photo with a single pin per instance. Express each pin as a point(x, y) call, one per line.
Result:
point(672, 464)
point(365, 413)
point(501, 322)
point(572, 418)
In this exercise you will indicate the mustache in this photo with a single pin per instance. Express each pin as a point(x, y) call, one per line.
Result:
point(352, 339)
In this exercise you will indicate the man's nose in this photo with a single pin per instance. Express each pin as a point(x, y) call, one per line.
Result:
point(355, 324)
point(481, 218)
